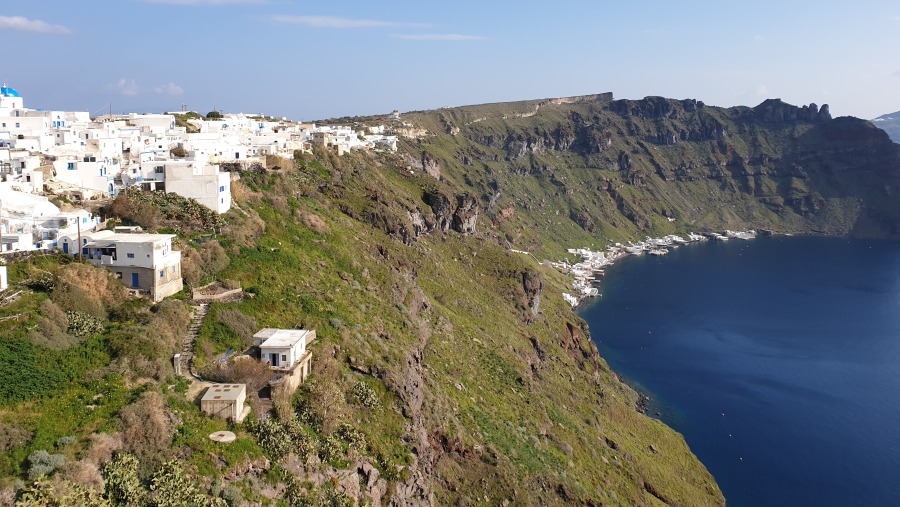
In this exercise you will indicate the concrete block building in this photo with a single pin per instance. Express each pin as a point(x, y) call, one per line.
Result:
point(226, 401)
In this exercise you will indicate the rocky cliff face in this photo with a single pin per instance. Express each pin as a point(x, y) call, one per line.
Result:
point(647, 163)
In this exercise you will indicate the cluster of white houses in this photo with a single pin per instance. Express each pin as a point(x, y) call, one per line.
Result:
point(73, 153)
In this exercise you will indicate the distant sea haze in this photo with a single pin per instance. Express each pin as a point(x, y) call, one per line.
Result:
point(777, 358)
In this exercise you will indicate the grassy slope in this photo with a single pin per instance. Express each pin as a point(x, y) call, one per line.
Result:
point(524, 433)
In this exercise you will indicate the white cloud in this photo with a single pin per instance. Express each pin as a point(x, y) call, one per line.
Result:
point(21, 24)
point(123, 86)
point(439, 36)
point(337, 22)
point(205, 3)
point(762, 91)
point(169, 89)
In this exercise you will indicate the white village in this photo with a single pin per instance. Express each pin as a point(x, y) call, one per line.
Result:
point(83, 158)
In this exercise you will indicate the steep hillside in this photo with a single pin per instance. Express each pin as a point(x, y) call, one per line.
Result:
point(449, 371)
point(890, 123)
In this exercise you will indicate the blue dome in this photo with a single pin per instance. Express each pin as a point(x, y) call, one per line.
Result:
point(8, 92)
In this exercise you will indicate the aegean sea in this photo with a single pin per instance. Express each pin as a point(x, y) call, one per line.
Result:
point(778, 359)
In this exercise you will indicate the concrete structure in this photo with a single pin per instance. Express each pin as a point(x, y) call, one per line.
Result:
point(226, 401)
point(144, 263)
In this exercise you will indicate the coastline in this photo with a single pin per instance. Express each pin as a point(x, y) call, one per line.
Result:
point(585, 274)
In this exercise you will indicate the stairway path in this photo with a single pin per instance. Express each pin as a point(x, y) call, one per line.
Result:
point(187, 354)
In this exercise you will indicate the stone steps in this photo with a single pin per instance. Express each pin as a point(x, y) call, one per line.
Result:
point(187, 351)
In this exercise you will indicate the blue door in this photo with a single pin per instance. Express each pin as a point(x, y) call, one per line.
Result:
point(134, 280)
point(65, 248)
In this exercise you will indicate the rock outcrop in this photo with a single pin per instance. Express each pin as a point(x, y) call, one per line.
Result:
point(774, 110)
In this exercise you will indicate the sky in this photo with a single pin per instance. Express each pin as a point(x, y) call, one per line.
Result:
point(310, 60)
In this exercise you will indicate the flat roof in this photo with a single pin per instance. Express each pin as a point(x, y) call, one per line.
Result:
point(126, 237)
point(281, 338)
point(224, 392)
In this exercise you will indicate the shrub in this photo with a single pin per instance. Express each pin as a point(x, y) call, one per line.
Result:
point(73, 298)
point(82, 325)
point(43, 493)
point(330, 449)
point(42, 463)
point(64, 441)
point(322, 403)
point(121, 482)
point(147, 425)
point(13, 437)
point(363, 394)
point(241, 370)
point(272, 436)
point(43, 281)
point(244, 231)
point(82, 472)
point(52, 328)
point(171, 487)
point(103, 446)
point(353, 437)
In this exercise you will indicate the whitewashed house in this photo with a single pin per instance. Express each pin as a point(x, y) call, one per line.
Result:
point(191, 177)
point(286, 352)
point(144, 263)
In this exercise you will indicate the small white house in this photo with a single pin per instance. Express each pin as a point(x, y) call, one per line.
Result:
point(286, 352)
point(283, 348)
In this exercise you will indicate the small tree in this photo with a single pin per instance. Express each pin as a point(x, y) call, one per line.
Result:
point(213, 115)
point(324, 404)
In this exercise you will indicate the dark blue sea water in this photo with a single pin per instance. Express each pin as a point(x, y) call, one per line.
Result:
point(778, 359)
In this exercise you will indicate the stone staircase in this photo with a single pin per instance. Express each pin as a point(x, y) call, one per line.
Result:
point(187, 354)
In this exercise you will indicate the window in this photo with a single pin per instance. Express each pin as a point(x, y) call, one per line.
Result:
point(17, 125)
point(283, 358)
point(222, 188)
point(70, 166)
point(162, 273)
point(159, 169)
point(130, 256)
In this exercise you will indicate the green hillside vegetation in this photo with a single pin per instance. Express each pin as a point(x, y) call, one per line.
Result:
point(448, 369)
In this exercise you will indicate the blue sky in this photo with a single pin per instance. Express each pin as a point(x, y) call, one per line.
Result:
point(311, 60)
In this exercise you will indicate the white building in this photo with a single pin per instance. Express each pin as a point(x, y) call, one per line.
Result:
point(286, 352)
point(144, 263)
point(31, 222)
point(193, 178)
